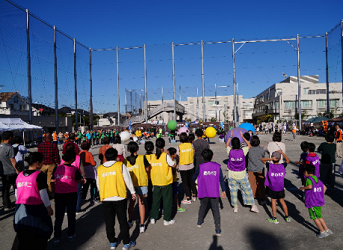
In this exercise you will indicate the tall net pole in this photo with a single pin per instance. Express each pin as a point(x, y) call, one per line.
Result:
point(29, 65)
point(327, 75)
point(91, 89)
point(299, 82)
point(203, 82)
point(75, 82)
point(118, 99)
point(234, 83)
point(145, 87)
point(173, 60)
point(56, 83)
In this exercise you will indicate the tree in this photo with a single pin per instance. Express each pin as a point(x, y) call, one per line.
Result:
point(332, 114)
point(304, 115)
point(188, 120)
point(267, 118)
point(226, 116)
point(213, 119)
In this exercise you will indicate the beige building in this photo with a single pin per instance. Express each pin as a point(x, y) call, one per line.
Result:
point(281, 99)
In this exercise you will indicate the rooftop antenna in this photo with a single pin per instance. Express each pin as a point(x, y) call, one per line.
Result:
point(284, 75)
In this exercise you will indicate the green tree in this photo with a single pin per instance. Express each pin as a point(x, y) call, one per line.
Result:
point(267, 118)
point(226, 116)
point(332, 114)
point(304, 115)
point(213, 119)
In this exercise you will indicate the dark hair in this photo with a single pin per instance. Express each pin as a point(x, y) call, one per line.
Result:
point(191, 138)
point(183, 137)
point(85, 145)
point(71, 136)
point(255, 141)
point(309, 168)
point(160, 143)
point(246, 135)
point(70, 146)
point(304, 146)
point(328, 138)
point(236, 144)
point(106, 140)
point(311, 147)
point(172, 151)
point(7, 135)
point(17, 139)
point(149, 147)
point(117, 140)
point(132, 147)
point(338, 125)
point(199, 132)
point(69, 155)
point(34, 157)
point(277, 136)
point(207, 154)
point(111, 154)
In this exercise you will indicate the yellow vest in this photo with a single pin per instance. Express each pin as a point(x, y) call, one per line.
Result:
point(138, 173)
point(111, 181)
point(186, 154)
point(149, 157)
point(161, 172)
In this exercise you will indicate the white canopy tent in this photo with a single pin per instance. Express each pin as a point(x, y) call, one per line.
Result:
point(3, 127)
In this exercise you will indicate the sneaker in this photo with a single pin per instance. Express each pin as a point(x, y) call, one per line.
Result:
point(152, 221)
point(7, 209)
point(235, 209)
point(167, 223)
point(142, 229)
point(113, 245)
point(262, 202)
point(218, 232)
point(254, 209)
point(322, 235)
point(273, 220)
point(78, 212)
point(194, 198)
point(72, 237)
point(131, 223)
point(288, 219)
point(199, 224)
point(186, 202)
point(329, 232)
point(180, 209)
point(128, 246)
point(56, 241)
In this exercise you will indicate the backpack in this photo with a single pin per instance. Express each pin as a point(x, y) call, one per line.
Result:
point(16, 150)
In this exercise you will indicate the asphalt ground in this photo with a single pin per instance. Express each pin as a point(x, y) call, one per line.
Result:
point(242, 230)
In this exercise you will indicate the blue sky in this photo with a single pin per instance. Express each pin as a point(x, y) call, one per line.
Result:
point(104, 24)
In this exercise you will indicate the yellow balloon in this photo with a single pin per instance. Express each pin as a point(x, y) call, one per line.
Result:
point(210, 132)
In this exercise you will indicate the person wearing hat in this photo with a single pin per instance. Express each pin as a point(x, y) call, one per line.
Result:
point(275, 182)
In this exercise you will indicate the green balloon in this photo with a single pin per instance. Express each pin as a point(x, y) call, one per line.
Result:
point(172, 125)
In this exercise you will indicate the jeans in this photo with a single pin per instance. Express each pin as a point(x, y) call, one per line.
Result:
point(60, 206)
point(7, 181)
point(79, 198)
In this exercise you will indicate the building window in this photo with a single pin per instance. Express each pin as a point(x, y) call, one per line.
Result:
point(306, 104)
point(191, 103)
point(11, 106)
point(267, 96)
point(320, 91)
point(311, 92)
point(305, 91)
point(334, 103)
point(211, 112)
point(276, 105)
point(290, 104)
point(321, 103)
point(15, 99)
point(278, 92)
point(211, 103)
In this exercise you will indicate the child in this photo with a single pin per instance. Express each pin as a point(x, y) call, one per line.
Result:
point(65, 178)
point(88, 164)
point(314, 199)
point(313, 159)
point(32, 220)
point(162, 179)
point(191, 138)
point(302, 161)
point(275, 181)
point(173, 155)
point(209, 176)
point(327, 161)
point(149, 148)
point(238, 176)
point(138, 167)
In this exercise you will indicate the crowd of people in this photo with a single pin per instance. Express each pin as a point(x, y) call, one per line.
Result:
point(124, 177)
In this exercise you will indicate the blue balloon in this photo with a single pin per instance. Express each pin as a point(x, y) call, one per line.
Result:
point(248, 126)
point(187, 124)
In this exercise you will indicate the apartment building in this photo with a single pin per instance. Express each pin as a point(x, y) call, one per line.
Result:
point(281, 99)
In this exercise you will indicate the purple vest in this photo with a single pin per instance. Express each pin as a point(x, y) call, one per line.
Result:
point(275, 178)
point(315, 196)
point(208, 180)
point(236, 160)
point(314, 160)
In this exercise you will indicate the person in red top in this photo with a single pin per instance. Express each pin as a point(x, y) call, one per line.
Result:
point(338, 139)
point(103, 149)
point(71, 140)
point(51, 158)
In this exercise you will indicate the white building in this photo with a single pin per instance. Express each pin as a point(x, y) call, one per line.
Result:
point(12, 103)
point(281, 99)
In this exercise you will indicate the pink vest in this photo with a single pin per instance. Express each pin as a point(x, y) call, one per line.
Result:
point(76, 163)
point(65, 179)
point(27, 189)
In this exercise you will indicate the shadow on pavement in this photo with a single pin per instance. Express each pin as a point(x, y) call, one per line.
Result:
point(214, 244)
point(260, 240)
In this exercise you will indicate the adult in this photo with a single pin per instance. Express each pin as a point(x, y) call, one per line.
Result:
point(89, 137)
point(8, 170)
point(119, 147)
point(71, 139)
point(51, 158)
point(276, 145)
point(60, 137)
point(199, 146)
point(54, 136)
point(19, 151)
point(112, 190)
point(338, 140)
point(103, 149)
point(327, 149)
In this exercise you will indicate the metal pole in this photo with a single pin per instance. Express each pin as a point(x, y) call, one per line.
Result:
point(55, 80)
point(197, 102)
point(299, 84)
point(327, 75)
point(125, 106)
point(91, 89)
point(162, 95)
point(237, 102)
point(203, 82)
point(145, 87)
point(118, 98)
point(234, 83)
point(173, 60)
point(215, 97)
point(75, 81)
point(180, 92)
point(28, 67)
